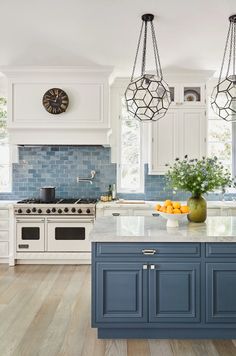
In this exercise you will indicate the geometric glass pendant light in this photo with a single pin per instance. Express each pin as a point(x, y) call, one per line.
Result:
point(147, 96)
point(223, 98)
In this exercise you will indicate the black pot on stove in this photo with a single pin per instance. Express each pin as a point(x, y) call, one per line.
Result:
point(47, 194)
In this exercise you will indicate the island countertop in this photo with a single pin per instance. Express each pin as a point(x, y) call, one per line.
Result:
point(153, 229)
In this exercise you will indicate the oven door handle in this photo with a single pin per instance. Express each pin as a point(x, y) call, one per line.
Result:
point(29, 220)
point(69, 221)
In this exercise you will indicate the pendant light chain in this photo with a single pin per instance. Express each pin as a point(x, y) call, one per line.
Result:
point(230, 48)
point(144, 49)
point(225, 52)
point(234, 47)
point(156, 53)
point(137, 52)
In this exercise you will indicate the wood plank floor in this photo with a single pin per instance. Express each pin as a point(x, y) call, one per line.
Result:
point(45, 311)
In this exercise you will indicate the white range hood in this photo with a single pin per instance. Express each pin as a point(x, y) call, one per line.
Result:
point(85, 122)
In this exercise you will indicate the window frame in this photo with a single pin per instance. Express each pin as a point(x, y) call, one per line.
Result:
point(141, 188)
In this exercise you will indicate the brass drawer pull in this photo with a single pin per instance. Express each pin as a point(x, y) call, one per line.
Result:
point(149, 252)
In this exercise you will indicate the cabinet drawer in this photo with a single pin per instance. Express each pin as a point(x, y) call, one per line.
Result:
point(107, 249)
point(3, 214)
point(3, 249)
point(116, 212)
point(221, 250)
point(4, 224)
point(4, 235)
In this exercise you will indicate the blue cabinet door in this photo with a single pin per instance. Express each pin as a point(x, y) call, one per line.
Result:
point(221, 292)
point(121, 292)
point(174, 292)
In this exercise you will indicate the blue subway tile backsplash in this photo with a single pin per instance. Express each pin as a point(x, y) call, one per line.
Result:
point(60, 165)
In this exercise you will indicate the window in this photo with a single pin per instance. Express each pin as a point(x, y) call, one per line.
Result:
point(220, 139)
point(4, 149)
point(131, 170)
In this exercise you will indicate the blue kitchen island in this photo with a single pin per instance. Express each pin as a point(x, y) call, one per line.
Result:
point(152, 282)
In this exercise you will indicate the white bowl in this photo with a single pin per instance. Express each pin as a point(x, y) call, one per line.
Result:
point(172, 219)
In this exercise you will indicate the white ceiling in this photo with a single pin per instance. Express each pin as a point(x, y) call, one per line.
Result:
point(191, 34)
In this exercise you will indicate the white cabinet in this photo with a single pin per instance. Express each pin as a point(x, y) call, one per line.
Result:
point(4, 233)
point(179, 132)
point(164, 146)
point(117, 212)
point(213, 212)
point(144, 212)
point(187, 94)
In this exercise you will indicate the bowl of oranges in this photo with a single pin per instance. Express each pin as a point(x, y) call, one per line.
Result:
point(173, 211)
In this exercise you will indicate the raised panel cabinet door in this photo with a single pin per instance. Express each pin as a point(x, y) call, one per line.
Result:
point(193, 133)
point(174, 292)
point(221, 292)
point(164, 146)
point(121, 292)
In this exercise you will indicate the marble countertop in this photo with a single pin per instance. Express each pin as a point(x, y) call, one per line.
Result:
point(153, 229)
point(7, 203)
point(150, 204)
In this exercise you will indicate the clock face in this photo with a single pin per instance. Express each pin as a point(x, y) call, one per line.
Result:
point(55, 101)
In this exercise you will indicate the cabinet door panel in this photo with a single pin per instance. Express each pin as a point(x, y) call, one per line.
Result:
point(221, 292)
point(164, 145)
point(121, 292)
point(193, 133)
point(174, 292)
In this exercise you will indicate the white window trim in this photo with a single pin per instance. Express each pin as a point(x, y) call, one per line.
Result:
point(141, 188)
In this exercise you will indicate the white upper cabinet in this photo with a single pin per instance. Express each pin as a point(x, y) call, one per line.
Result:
point(182, 131)
point(187, 95)
point(164, 146)
point(86, 120)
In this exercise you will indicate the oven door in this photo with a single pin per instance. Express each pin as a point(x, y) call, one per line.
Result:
point(30, 234)
point(69, 235)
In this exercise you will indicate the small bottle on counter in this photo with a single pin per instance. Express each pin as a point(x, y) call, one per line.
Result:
point(114, 192)
point(109, 193)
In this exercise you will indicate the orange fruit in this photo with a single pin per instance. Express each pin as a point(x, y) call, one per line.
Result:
point(176, 211)
point(157, 207)
point(176, 205)
point(168, 203)
point(184, 209)
point(169, 209)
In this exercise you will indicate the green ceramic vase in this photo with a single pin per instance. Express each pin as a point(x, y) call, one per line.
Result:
point(198, 209)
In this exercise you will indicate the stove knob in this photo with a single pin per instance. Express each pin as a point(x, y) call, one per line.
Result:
point(39, 211)
point(19, 211)
point(66, 210)
point(34, 210)
point(88, 211)
point(59, 211)
point(54, 210)
point(80, 211)
point(28, 211)
point(73, 210)
point(48, 211)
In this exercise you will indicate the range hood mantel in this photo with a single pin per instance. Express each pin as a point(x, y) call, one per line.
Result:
point(85, 122)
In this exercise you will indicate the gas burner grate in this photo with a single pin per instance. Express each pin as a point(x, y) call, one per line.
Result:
point(59, 201)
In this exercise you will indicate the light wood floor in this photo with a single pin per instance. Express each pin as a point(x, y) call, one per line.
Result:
point(45, 310)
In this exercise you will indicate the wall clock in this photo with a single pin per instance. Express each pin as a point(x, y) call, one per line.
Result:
point(55, 101)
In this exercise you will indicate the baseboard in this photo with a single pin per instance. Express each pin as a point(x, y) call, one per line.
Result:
point(4, 260)
point(52, 262)
point(170, 333)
